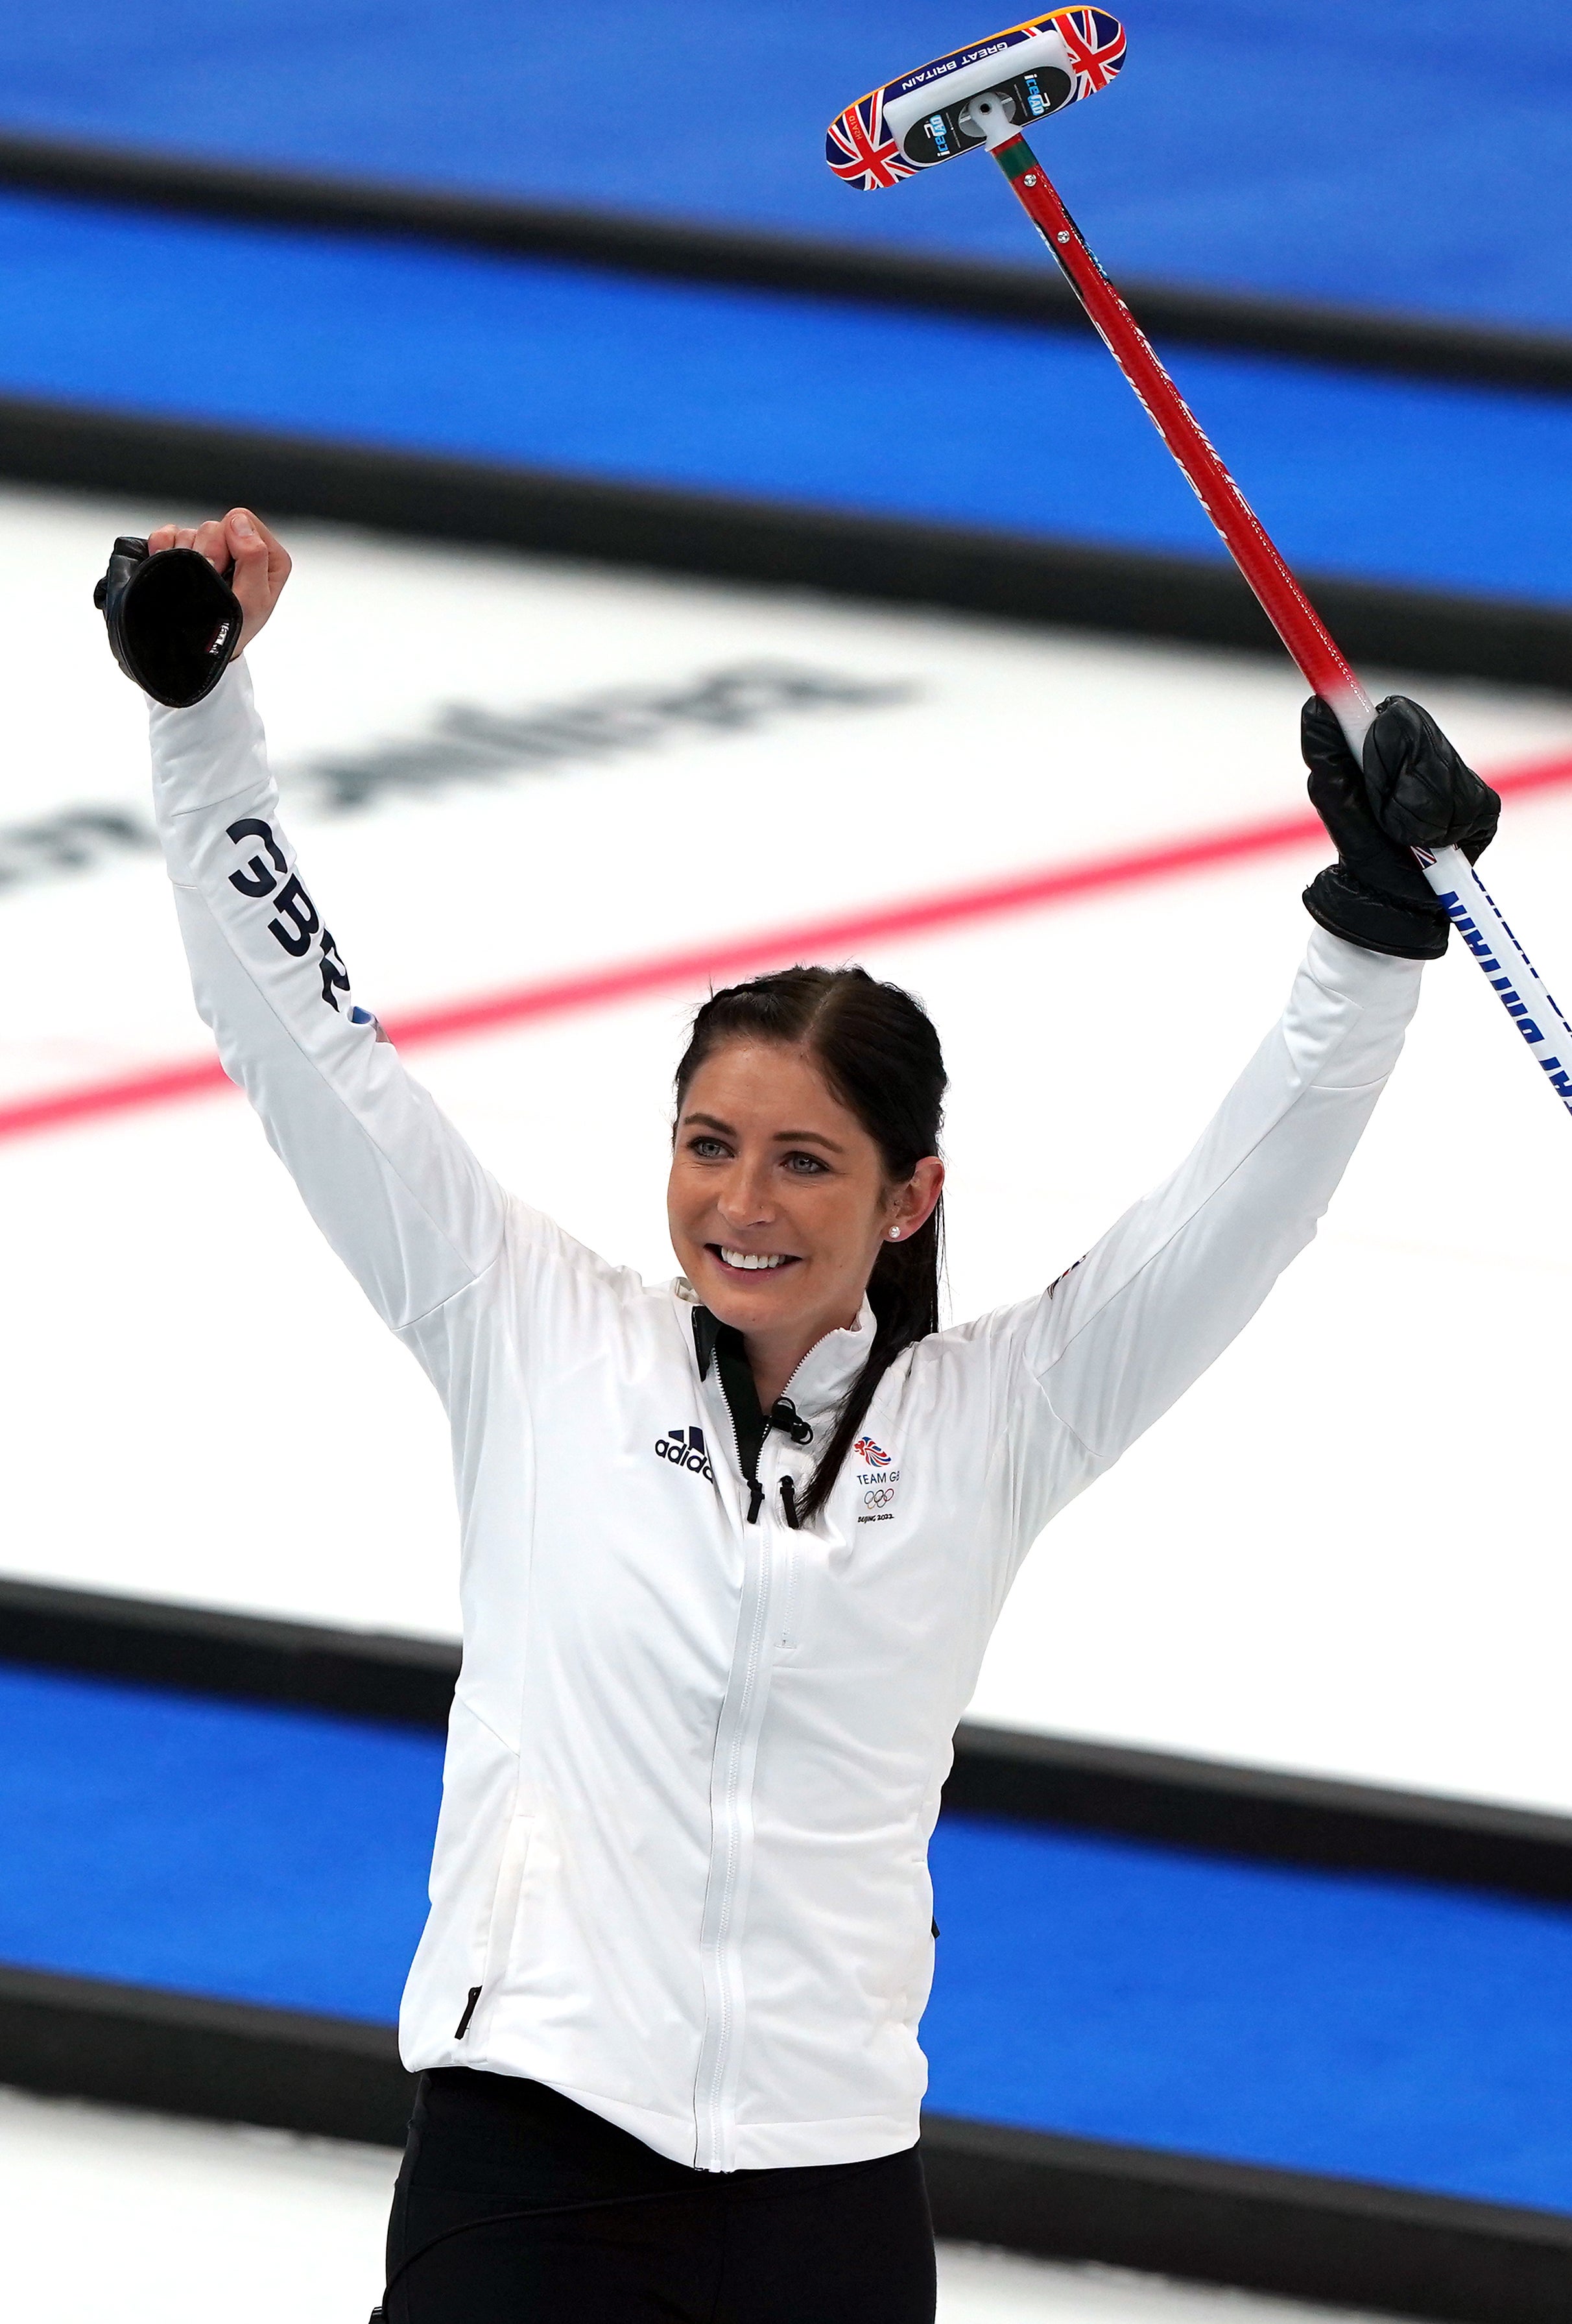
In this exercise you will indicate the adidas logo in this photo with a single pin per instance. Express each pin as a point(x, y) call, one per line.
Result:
point(684, 1449)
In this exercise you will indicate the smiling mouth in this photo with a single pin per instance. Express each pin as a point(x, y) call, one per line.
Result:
point(751, 1262)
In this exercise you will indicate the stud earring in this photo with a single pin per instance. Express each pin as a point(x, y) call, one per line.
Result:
point(895, 1235)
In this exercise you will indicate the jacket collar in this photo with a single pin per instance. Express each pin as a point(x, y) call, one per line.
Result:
point(825, 1373)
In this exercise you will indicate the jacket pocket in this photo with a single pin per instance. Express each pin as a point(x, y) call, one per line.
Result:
point(511, 1871)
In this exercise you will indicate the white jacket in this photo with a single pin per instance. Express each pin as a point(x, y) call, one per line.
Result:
point(694, 1765)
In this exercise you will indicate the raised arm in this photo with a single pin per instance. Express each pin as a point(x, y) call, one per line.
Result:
point(1099, 1356)
point(393, 1185)
point(1159, 1296)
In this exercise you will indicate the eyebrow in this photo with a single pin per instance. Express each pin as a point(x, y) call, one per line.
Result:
point(782, 1137)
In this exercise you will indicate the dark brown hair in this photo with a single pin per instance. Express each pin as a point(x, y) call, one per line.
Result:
point(877, 1049)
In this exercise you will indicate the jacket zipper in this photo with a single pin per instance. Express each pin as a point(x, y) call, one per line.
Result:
point(736, 1741)
point(742, 1709)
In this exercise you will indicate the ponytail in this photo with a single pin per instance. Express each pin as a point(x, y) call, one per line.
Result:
point(878, 1050)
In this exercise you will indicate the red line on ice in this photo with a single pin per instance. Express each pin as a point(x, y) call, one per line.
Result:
point(728, 955)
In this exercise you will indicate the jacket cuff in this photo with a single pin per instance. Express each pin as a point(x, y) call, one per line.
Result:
point(1338, 901)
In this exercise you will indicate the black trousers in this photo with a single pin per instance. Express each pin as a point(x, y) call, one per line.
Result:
point(844, 2243)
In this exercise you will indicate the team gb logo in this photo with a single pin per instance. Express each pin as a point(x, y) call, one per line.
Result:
point(871, 1453)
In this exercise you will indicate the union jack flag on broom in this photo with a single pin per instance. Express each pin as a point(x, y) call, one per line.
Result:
point(1096, 41)
point(857, 149)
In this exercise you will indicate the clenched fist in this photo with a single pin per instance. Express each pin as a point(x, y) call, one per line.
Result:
point(262, 562)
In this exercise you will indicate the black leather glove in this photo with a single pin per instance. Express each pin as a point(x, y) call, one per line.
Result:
point(1413, 790)
point(173, 621)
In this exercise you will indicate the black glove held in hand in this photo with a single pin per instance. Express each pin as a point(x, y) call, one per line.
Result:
point(173, 622)
point(1412, 791)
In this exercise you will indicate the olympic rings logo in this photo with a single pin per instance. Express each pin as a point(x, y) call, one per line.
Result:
point(880, 1499)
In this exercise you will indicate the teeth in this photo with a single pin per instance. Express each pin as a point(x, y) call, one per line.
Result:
point(752, 1258)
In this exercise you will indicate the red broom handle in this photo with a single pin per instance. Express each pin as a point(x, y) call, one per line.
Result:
point(1292, 615)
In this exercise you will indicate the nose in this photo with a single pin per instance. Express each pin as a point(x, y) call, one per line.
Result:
point(744, 1199)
